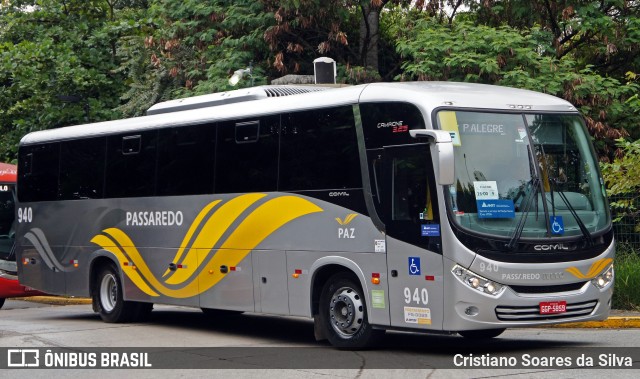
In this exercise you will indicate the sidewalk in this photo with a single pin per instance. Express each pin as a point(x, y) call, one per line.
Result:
point(618, 319)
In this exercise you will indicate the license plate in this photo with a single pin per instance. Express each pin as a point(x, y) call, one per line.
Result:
point(553, 307)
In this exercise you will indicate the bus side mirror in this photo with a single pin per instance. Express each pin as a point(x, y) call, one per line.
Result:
point(441, 151)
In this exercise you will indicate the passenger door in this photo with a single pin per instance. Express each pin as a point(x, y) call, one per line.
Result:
point(414, 259)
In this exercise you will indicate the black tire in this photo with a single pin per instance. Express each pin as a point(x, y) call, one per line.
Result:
point(108, 298)
point(343, 314)
point(481, 334)
point(1, 302)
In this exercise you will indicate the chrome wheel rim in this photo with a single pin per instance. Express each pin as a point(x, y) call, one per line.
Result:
point(346, 312)
point(108, 293)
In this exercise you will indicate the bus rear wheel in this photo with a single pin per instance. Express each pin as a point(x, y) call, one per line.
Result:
point(108, 298)
point(343, 314)
point(481, 334)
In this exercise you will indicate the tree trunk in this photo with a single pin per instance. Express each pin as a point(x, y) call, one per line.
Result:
point(370, 34)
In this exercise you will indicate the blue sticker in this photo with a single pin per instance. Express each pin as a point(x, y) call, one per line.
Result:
point(496, 209)
point(431, 230)
point(414, 266)
point(557, 225)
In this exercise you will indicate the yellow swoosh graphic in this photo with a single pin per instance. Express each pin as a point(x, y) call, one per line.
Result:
point(132, 273)
point(205, 211)
point(596, 268)
point(347, 219)
point(258, 225)
point(213, 229)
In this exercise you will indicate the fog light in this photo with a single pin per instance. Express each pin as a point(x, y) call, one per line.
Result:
point(471, 311)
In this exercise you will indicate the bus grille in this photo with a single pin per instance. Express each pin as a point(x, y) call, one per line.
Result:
point(532, 313)
point(548, 289)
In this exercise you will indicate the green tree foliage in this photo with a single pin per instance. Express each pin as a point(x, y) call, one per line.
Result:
point(623, 181)
point(58, 66)
point(465, 51)
point(198, 45)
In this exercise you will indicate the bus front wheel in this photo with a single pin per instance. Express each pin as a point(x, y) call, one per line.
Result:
point(343, 314)
point(108, 298)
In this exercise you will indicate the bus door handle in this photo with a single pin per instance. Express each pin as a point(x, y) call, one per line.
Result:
point(224, 269)
point(394, 273)
point(172, 266)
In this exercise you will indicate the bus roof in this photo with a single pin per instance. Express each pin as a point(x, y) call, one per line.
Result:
point(8, 172)
point(426, 95)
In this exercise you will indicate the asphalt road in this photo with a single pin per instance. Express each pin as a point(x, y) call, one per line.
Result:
point(248, 345)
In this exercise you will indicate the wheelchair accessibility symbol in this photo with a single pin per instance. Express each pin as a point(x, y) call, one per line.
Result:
point(414, 266)
point(557, 225)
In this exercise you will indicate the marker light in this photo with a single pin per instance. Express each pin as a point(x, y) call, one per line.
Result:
point(477, 282)
point(604, 279)
point(375, 278)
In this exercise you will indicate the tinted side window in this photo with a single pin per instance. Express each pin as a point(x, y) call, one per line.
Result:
point(319, 150)
point(131, 165)
point(388, 124)
point(185, 162)
point(82, 169)
point(38, 172)
point(247, 164)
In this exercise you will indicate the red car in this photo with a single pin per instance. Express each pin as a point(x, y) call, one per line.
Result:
point(9, 285)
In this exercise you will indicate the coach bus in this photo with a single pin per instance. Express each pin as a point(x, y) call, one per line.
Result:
point(427, 206)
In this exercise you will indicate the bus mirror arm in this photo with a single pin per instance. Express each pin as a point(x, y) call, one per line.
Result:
point(441, 150)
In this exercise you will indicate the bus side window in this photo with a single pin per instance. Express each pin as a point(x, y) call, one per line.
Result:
point(319, 150)
point(82, 169)
point(40, 181)
point(186, 160)
point(247, 155)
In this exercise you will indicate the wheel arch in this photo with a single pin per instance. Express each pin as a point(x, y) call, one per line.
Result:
point(99, 259)
point(325, 268)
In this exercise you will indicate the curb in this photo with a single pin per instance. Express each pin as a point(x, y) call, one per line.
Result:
point(610, 323)
point(55, 300)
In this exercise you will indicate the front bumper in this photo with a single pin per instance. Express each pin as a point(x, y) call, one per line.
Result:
point(512, 309)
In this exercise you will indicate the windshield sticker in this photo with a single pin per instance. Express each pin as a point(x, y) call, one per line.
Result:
point(487, 190)
point(431, 230)
point(557, 225)
point(522, 132)
point(449, 122)
point(496, 209)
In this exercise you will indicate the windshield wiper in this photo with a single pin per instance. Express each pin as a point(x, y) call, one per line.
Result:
point(572, 210)
point(535, 186)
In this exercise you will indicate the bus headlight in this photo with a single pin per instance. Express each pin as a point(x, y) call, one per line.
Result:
point(477, 282)
point(604, 279)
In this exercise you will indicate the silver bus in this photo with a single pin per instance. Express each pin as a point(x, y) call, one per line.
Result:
point(426, 206)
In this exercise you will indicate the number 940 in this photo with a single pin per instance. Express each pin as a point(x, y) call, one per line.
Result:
point(25, 215)
point(418, 296)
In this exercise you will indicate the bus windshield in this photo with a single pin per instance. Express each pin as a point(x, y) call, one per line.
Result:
point(529, 176)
